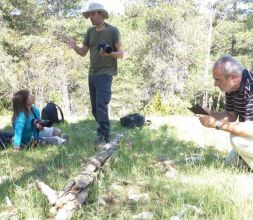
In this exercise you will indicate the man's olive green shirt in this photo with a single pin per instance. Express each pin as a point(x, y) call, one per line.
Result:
point(99, 64)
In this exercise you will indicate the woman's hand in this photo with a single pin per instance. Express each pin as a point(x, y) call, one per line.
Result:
point(37, 124)
point(40, 127)
point(16, 150)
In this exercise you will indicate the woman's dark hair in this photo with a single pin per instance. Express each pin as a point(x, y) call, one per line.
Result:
point(19, 103)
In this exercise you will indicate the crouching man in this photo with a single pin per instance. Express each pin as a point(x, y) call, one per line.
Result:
point(237, 119)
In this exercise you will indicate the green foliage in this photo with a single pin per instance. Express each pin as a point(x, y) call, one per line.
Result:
point(174, 105)
point(5, 101)
point(164, 43)
point(23, 16)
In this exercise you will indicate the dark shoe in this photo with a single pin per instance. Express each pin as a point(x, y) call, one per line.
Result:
point(99, 140)
point(42, 142)
point(107, 138)
point(65, 136)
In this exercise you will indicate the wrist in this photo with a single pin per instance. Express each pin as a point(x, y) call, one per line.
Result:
point(217, 125)
point(109, 54)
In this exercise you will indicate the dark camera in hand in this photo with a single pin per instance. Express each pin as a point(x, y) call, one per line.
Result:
point(197, 109)
point(44, 123)
point(105, 47)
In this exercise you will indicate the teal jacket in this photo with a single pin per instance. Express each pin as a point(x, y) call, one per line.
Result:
point(24, 129)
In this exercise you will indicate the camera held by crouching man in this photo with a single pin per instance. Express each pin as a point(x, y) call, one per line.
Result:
point(104, 46)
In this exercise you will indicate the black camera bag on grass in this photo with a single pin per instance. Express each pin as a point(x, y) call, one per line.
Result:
point(50, 113)
point(133, 120)
point(5, 138)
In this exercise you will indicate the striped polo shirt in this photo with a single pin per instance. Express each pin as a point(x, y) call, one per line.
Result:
point(241, 101)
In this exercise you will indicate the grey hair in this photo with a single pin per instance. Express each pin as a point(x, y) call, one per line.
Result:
point(228, 65)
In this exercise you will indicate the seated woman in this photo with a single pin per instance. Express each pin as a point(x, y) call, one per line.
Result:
point(25, 123)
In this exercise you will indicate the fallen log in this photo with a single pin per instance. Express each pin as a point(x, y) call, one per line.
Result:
point(66, 202)
point(10, 212)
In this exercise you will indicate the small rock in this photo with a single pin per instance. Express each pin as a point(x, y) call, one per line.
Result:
point(184, 209)
point(171, 174)
point(195, 159)
point(3, 179)
point(175, 218)
point(20, 168)
point(168, 164)
point(144, 216)
point(116, 187)
point(142, 183)
point(138, 155)
point(108, 199)
point(161, 158)
point(125, 182)
point(144, 197)
point(70, 155)
point(165, 142)
point(8, 202)
point(129, 144)
point(101, 202)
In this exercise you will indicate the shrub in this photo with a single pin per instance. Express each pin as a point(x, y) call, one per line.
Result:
point(174, 106)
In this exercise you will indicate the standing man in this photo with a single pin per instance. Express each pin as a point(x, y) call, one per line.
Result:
point(103, 41)
point(237, 119)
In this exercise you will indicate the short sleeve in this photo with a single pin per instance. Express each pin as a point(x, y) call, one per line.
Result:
point(116, 36)
point(86, 40)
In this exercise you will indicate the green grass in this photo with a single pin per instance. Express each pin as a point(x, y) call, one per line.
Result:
point(207, 185)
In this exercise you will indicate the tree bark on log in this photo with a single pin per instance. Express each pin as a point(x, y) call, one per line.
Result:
point(65, 202)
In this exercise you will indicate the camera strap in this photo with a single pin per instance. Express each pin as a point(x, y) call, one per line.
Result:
point(35, 116)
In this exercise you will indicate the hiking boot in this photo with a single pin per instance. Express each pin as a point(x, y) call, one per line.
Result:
point(65, 136)
point(108, 138)
point(100, 140)
point(42, 142)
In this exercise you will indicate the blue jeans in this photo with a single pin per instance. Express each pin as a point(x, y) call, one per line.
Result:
point(100, 96)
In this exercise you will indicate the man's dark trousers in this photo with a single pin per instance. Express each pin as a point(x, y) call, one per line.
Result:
point(100, 96)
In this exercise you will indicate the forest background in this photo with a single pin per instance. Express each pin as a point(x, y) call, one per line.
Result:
point(170, 46)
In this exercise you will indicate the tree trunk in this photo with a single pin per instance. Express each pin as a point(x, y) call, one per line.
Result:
point(65, 96)
point(208, 51)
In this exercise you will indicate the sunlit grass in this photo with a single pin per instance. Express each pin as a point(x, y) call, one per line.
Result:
point(209, 186)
